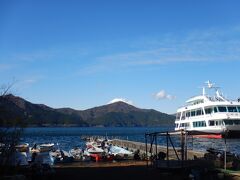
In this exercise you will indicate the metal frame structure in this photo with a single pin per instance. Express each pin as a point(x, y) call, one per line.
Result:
point(183, 134)
point(169, 144)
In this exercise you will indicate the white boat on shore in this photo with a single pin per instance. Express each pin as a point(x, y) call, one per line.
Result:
point(22, 147)
point(120, 153)
point(42, 147)
point(210, 116)
point(60, 156)
point(95, 150)
point(46, 147)
point(79, 154)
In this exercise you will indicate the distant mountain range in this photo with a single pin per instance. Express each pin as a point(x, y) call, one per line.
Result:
point(14, 110)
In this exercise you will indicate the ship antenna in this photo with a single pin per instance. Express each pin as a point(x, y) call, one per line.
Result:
point(217, 92)
point(209, 84)
point(203, 91)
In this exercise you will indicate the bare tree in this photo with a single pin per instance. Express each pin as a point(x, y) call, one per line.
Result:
point(5, 89)
point(9, 134)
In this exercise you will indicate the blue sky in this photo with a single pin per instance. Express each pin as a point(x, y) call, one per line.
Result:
point(154, 54)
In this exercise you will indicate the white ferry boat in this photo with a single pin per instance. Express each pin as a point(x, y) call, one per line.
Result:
point(210, 116)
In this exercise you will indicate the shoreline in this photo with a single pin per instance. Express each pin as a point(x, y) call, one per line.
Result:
point(125, 163)
point(132, 170)
point(118, 170)
point(70, 126)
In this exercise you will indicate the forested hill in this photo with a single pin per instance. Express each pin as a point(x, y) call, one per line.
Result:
point(15, 109)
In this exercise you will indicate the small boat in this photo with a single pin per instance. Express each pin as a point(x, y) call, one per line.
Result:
point(118, 150)
point(120, 153)
point(60, 156)
point(98, 142)
point(46, 147)
point(95, 150)
point(42, 147)
point(22, 147)
point(76, 153)
point(96, 157)
point(86, 156)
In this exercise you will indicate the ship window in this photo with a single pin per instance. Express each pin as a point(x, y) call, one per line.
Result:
point(215, 109)
point(188, 114)
point(176, 126)
point(238, 108)
point(193, 113)
point(218, 123)
point(199, 112)
point(199, 124)
point(232, 122)
point(211, 123)
point(222, 109)
point(228, 122)
point(203, 123)
point(232, 109)
point(184, 125)
point(183, 115)
point(237, 122)
point(208, 110)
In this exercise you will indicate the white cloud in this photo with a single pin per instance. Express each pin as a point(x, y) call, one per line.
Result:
point(57, 53)
point(209, 45)
point(120, 100)
point(163, 95)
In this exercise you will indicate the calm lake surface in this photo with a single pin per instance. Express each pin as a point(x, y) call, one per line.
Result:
point(70, 137)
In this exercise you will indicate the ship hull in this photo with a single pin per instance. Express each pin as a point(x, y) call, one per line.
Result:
point(215, 135)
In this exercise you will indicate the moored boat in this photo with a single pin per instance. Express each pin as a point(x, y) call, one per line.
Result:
point(42, 147)
point(60, 156)
point(120, 153)
point(46, 147)
point(94, 150)
point(79, 154)
point(22, 147)
point(76, 153)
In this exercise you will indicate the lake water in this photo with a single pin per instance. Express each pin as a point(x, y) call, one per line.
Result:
point(70, 137)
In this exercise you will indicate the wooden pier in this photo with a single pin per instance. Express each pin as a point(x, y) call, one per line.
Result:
point(134, 146)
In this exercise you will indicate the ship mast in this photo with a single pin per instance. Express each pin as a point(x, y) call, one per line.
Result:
point(218, 95)
point(203, 91)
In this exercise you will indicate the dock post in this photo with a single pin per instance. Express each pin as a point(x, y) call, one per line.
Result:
point(185, 149)
point(167, 150)
point(225, 152)
point(156, 145)
point(146, 148)
point(182, 146)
